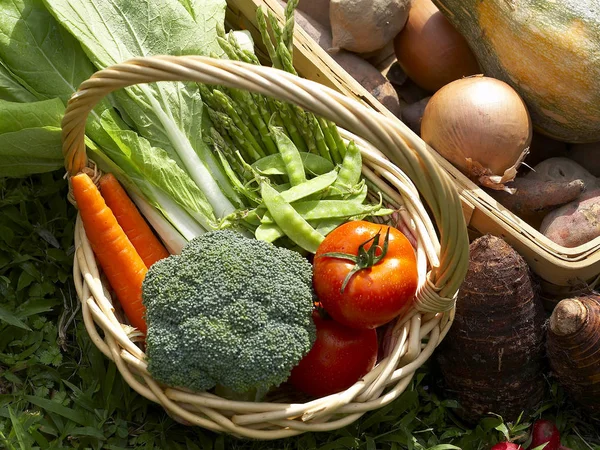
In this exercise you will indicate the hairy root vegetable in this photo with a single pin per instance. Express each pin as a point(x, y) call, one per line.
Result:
point(562, 169)
point(481, 126)
point(364, 72)
point(587, 155)
point(412, 114)
point(363, 26)
point(531, 195)
point(575, 223)
point(491, 360)
point(573, 344)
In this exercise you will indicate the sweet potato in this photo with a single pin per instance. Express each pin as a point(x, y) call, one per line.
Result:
point(366, 25)
point(365, 73)
point(587, 155)
point(491, 359)
point(562, 169)
point(533, 195)
point(575, 223)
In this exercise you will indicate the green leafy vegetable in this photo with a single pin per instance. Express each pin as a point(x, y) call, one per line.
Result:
point(168, 114)
point(30, 150)
point(11, 90)
point(30, 139)
point(17, 116)
point(41, 54)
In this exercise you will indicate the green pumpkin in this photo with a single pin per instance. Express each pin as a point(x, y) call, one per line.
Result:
point(547, 50)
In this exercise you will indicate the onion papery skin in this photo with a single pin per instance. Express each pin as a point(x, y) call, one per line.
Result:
point(482, 126)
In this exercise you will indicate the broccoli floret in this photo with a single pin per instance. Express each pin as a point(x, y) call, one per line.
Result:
point(229, 311)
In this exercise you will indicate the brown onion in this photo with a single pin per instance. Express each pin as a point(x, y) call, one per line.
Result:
point(430, 50)
point(481, 126)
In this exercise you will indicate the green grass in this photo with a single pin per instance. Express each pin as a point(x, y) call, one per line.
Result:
point(58, 391)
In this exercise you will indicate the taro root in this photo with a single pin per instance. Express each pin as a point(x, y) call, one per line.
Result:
point(492, 358)
point(573, 344)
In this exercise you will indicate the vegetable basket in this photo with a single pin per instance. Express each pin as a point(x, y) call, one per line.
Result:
point(441, 247)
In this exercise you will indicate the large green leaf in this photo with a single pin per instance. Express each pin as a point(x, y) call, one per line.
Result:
point(30, 140)
point(30, 150)
point(16, 116)
point(40, 54)
point(11, 89)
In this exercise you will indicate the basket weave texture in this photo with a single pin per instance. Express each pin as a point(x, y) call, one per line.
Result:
point(441, 248)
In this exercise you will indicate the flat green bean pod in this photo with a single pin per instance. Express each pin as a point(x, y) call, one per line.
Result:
point(351, 169)
point(268, 233)
point(291, 223)
point(328, 209)
point(274, 165)
point(290, 156)
point(309, 187)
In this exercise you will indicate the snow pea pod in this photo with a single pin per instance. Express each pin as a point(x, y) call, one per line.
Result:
point(291, 223)
point(350, 171)
point(290, 156)
point(274, 165)
point(310, 187)
point(326, 209)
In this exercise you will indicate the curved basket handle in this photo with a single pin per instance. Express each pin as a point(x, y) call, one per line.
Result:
point(390, 136)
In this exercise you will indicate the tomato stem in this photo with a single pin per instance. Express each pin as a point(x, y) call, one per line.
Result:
point(364, 258)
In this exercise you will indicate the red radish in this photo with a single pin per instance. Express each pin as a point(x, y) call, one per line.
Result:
point(506, 446)
point(545, 431)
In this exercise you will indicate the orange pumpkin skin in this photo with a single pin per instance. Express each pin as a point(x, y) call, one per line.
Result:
point(548, 51)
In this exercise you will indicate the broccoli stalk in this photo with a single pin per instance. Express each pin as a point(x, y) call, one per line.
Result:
point(229, 311)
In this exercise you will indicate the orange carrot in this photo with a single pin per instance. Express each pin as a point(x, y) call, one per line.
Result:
point(134, 225)
point(116, 255)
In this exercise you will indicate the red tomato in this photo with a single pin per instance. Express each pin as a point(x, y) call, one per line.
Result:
point(373, 295)
point(339, 358)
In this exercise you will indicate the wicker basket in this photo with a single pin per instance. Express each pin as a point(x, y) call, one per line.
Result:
point(414, 336)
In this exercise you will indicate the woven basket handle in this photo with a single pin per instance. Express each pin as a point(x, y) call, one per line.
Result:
point(390, 136)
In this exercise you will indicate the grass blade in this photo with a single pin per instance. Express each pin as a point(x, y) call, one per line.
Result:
point(57, 408)
point(10, 318)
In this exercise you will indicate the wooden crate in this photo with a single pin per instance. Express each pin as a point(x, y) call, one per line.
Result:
point(559, 267)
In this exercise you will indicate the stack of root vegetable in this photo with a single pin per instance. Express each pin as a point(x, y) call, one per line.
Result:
point(467, 79)
point(495, 357)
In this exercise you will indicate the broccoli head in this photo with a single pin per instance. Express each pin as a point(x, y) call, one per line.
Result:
point(230, 311)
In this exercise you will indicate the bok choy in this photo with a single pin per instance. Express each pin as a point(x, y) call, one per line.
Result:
point(193, 157)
